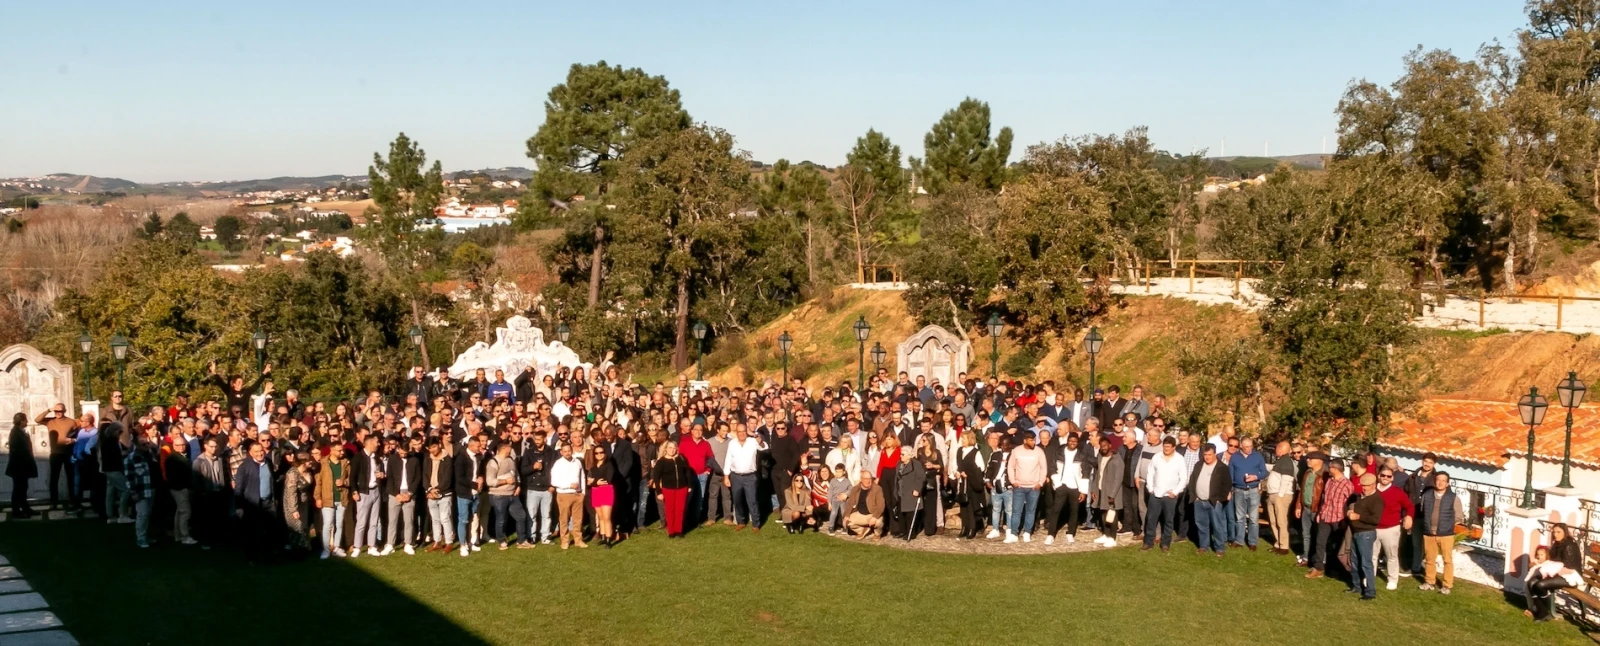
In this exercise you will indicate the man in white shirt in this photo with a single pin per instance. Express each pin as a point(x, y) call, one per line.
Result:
point(566, 480)
point(1168, 477)
point(740, 477)
point(1070, 475)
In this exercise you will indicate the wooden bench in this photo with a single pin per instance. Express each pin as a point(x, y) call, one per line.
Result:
point(1588, 604)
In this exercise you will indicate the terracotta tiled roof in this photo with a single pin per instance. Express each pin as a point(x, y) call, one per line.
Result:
point(1492, 433)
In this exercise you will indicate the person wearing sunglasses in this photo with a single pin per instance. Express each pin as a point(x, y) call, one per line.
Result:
point(1398, 512)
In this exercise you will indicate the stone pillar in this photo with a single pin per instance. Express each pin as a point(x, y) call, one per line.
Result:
point(1524, 532)
point(92, 408)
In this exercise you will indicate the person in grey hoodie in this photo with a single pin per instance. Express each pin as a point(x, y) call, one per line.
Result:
point(500, 475)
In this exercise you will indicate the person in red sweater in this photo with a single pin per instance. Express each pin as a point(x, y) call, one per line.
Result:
point(697, 451)
point(1397, 513)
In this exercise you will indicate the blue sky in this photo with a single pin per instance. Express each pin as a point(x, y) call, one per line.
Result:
point(178, 90)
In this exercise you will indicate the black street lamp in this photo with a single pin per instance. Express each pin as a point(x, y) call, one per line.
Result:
point(85, 344)
point(863, 329)
point(416, 345)
point(563, 333)
point(1570, 391)
point(784, 343)
point(1532, 406)
point(700, 345)
point(995, 328)
point(879, 355)
point(1091, 344)
point(259, 342)
point(119, 351)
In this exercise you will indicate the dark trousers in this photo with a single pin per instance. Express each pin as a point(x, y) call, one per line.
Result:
point(1132, 520)
point(1161, 511)
point(906, 524)
point(89, 479)
point(930, 511)
point(744, 499)
point(1064, 498)
point(1185, 518)
point(61, 464)
point(19, 496)
point(1541, 596)
point(1047, 498)
point(1326, 533)
point(971, 505)
point(261, 527)
point(1418, 552)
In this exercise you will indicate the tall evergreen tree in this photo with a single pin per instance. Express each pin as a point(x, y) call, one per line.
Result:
point(592, 121)
point(959, 149)
point(405, 191)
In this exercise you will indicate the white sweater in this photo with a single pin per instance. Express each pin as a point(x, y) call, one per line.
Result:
point(1169, 474)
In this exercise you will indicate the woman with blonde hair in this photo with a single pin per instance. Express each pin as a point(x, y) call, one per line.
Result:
point(969, 489)
point(671, 476)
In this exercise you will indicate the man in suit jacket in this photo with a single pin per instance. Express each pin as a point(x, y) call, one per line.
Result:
point(257, 504)
point(366, 489)
point(402, 488)
point(469, 484)
point(1075, 411)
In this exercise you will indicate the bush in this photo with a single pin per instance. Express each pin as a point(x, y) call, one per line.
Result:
point(727, 352)
point(1023, 362)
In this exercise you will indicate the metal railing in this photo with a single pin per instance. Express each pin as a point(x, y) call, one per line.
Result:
point(1485, 505)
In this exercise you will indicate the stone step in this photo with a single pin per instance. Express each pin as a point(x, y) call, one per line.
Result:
point(9, 572)
point(43, 638)
point(13, 586)
point(4, 561)
point(26, 621)
point(21, 602)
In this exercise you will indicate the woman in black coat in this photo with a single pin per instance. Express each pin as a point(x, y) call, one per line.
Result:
point(1542, 587)
point(20, 466)
point(970, 493)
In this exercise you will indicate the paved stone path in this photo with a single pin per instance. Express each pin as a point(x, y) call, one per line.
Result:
point(25, 617)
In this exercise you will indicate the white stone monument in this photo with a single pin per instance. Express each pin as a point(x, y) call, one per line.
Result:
point(934, 353)
point(30, 383)
point(517, 345)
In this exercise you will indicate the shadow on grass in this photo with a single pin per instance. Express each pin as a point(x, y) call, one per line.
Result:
point(108, 591)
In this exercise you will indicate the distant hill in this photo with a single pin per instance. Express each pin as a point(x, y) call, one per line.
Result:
point(70, 183)
point(509, 172)
point(1242, 167)
point(271, 184)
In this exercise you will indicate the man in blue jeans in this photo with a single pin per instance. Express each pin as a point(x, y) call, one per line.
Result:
point(994, 476)
point(742, 462)
point(1364, 517)
point(1210, 486)
point(1249, 470)
point(469, 483)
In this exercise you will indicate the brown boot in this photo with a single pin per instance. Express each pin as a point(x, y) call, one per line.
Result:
point(1314, 574)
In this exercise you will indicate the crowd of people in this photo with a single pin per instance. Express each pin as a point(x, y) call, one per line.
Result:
point(574, 458)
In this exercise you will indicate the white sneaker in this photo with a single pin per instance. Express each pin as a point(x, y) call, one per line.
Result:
point(373, 551)
point(1027, 537)
point(410, 551)
point(993, 534)
point(354, 552)
point(1010, 537)
point(1049, 539)
point(339, 552)
point(464, 550)
point(387, 550)
point(111, 521)
point(124, 521)
point(476, 548)
point(324, 555)
point(1071, 540)
point(189, 541)
point(1393, 584)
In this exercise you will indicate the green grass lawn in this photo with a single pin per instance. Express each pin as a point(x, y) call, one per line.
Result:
point(720, 586)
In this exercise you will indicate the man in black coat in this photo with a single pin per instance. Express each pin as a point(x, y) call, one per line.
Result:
point(627, 487)
point(533, 465)
point(469, 484)
point(401, 489)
